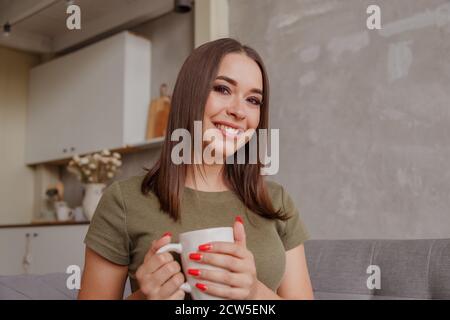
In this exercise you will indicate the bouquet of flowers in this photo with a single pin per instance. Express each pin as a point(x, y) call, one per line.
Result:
point(95, 168)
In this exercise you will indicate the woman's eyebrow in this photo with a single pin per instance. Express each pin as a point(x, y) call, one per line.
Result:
point(234, 83)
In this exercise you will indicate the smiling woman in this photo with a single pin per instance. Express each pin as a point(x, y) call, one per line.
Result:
point(224, 85)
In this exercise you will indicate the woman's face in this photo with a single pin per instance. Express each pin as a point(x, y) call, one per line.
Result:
point(233, 105)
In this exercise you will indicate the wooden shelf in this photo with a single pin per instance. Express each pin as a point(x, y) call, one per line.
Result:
point(132, 148)
point(45, 224)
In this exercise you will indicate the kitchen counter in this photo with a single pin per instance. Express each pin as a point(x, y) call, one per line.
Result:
point(44, 224)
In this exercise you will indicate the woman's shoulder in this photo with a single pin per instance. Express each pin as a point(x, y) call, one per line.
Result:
point(273, 186)
point(275, 191)
point(131, 182)
point(130, 188)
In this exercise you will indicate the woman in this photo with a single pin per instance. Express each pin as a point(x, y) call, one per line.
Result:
point(223, 84)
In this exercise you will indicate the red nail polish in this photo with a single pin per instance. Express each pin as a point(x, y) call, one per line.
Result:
point(238, 218)
point(205, 247)
point(194, 272)
point(195, 256)
point(167, 234)
point(201, 286)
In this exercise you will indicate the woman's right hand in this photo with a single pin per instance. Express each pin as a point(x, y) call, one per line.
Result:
point(160, 276)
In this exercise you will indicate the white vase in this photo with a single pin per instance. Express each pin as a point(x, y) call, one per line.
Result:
point(92, 194)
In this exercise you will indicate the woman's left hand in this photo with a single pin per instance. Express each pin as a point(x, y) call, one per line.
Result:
point(233, 257)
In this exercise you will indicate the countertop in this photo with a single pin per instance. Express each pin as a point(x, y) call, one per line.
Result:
point(45, 224)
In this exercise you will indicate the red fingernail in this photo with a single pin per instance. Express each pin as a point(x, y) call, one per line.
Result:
point(201, 286)
point(205, 247)
point(167, 234)
point(194, 272)
point(238, 218)
point(195, 256)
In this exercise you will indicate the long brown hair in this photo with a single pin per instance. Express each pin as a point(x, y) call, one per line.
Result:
point(194, 83)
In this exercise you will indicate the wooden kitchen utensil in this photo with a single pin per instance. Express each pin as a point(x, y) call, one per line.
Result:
point(158, 114)
point(60, 187)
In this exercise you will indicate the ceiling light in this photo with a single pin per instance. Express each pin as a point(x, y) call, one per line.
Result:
point(183, 6)
point(6, 29)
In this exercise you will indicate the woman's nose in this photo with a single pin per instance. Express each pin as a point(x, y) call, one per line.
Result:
point(236, 110)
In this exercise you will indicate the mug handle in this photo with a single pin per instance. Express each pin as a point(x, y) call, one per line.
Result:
point(186, 287)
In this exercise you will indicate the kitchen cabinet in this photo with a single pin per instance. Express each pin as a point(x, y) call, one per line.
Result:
point(51, 249)
point(89, 100)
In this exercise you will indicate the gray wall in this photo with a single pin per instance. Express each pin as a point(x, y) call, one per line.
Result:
point(363, 114)
point(172, 38)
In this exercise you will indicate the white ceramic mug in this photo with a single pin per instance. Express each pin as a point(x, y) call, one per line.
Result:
point(63, 212)
point(189, 242)
point(78, 214)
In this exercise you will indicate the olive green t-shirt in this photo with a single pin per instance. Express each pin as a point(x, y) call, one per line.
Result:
point(126, 222)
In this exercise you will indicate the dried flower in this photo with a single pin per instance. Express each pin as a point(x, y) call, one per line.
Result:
point(95, 168)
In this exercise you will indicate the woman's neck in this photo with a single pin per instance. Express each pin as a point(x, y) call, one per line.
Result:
point(209, 180)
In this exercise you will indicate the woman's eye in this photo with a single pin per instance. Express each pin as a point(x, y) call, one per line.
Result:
point(221, 89)
point(255, 101)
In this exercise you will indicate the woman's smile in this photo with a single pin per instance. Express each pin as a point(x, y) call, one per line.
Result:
point(228, 129)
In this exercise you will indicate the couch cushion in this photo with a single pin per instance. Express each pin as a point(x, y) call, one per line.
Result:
point(410, 269)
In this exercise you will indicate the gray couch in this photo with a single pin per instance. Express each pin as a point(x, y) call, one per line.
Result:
point(408, 269)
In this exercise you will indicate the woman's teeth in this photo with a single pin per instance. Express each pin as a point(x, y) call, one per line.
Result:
point(229, 130)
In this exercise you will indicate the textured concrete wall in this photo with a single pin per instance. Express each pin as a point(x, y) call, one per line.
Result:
point(363, 114)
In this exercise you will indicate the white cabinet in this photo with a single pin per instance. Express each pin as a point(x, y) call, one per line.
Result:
point(51, 248)
point(88, 100)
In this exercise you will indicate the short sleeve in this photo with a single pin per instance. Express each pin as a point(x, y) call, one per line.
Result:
point(107, 234)
point(292, 231)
